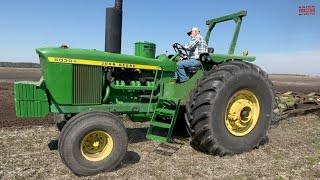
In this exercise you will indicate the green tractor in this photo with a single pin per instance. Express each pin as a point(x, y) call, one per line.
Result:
point(227, 104)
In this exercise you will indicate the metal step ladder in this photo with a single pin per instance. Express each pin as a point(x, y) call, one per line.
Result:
point(163, 119)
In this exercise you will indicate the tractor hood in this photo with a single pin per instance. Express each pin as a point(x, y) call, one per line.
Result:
point(100, 58)
point(61, 67)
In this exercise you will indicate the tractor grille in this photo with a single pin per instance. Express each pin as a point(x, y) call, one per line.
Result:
point(87, 84)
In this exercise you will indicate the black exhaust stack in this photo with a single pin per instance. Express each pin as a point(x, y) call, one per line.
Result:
point(113, 28)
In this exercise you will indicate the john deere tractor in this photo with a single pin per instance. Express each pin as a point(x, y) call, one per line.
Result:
point(226, 104)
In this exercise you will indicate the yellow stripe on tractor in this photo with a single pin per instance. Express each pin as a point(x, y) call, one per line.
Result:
point(102, 63)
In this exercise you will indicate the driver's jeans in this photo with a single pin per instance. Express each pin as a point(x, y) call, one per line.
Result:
point(181, 65)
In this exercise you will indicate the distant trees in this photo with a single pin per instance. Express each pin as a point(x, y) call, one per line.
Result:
point(19, 64)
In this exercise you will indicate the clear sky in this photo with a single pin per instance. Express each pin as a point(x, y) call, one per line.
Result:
point(283, 41)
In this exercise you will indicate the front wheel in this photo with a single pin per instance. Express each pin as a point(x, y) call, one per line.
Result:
point(92, 143)
point(230, 109)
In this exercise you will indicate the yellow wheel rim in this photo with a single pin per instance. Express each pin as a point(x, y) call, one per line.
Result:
point(96, 145)
point(242, 113)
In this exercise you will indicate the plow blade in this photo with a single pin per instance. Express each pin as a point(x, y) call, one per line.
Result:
point(292, 103)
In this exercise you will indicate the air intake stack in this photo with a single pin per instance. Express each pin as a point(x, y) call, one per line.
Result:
point(113, 28)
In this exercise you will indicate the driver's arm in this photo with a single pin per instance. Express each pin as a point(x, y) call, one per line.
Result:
point(192, 44)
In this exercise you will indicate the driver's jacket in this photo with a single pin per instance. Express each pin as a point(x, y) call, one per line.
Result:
point(196, 46)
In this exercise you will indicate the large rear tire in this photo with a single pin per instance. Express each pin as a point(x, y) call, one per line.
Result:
point(230, 109)
point(93, 142)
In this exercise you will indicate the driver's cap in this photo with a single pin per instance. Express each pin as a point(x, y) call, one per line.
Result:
point(193, 29)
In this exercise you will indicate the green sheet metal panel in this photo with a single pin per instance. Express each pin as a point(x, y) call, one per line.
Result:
point(179, 90)
point(59, 80)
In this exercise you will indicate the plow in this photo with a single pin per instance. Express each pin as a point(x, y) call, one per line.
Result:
point(294, 103)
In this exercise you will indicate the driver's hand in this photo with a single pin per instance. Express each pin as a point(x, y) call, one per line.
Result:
point(182, 57)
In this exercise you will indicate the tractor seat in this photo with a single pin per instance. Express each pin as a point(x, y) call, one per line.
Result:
point(192, 70)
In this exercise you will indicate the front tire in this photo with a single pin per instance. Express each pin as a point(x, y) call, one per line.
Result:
point(230, 109)
point(92, 143)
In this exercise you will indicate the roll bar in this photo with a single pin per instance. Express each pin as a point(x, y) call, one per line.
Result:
point(237, 17)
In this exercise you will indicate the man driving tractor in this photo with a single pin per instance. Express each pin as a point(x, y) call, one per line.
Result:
point(196, 46)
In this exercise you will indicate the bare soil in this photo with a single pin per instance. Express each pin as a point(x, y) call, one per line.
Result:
point(302, 84)
point(19, 74)
point(29, 146)
point(293, 152)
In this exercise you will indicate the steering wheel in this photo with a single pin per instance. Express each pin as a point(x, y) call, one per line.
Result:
point(178, 48)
